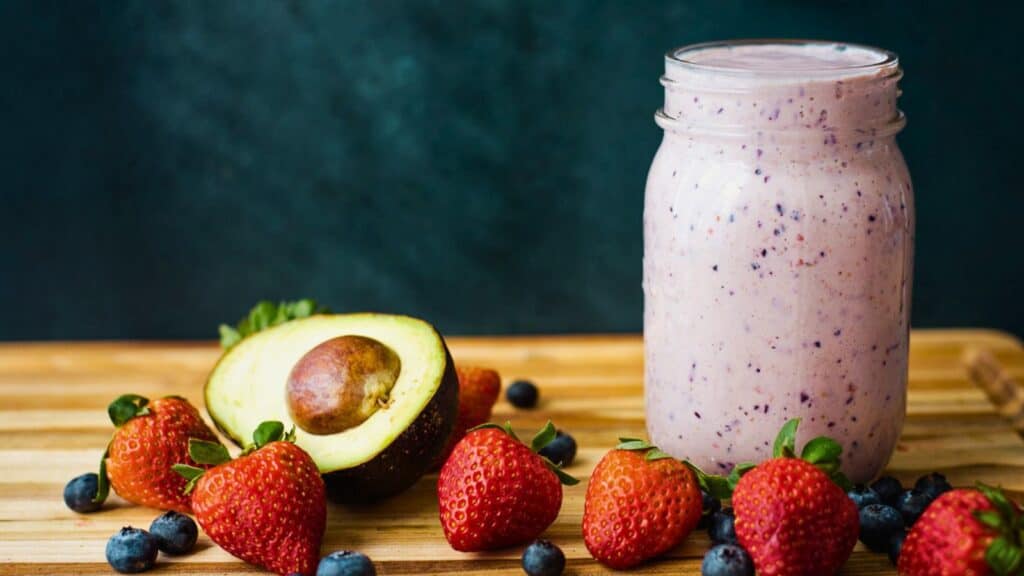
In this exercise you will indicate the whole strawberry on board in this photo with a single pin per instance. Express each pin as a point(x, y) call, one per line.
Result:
point(478, 391)
point(965, 532)
point(640, 504)
point(267, 507)
point(149, 439)
point(792, 513)
point(495, 492)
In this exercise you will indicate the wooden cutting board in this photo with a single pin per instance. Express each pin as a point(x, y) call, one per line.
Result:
point(53, 426)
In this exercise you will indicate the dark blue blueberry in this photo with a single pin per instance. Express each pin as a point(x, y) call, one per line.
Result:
point(896, 546)
point(878, 523)
point(888, 489)
point(934, 485)
point(175, 533)
point(542, 558)
point(722, 527)
point(346, 563)
point(131, 550)
point(912, 504)
point(522, 394)
point(727, 560)
point(863, 496)
point(710, 505)
point(80, 491)
point(561, 450)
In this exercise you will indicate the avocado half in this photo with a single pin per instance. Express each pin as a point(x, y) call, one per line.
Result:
point(383, 455)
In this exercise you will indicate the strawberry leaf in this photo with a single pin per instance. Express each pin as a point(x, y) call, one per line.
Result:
point(543, 437)
point(785, 442)
point(191, 473)
point(655, 454)
point(716, 486)
point(841, 479)
point(738, 471)
point(1003, 557)
point(634, 444)
point(989, 518)
point(562, 475)
point(126, 407)
point(103, 480)
point(267, 432)
point(821, 450)
point(203, 452)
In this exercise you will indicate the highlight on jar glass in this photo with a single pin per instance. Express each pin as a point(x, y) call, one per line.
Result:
point(778, 253)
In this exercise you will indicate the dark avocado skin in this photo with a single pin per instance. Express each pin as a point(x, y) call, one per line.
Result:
point(409, 457)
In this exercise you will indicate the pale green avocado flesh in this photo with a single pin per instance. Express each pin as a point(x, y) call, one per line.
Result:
point(381, 456)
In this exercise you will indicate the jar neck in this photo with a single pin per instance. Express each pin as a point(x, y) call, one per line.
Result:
point(802, 90)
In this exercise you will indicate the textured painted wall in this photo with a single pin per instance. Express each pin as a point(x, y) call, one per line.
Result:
point(480, 164)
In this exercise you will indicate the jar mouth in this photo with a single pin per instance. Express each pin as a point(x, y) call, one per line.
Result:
point(771, 57)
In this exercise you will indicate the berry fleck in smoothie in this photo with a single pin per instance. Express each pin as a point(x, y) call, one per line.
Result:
point(778, 248)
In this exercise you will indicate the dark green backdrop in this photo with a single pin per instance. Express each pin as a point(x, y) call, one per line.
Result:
point(480, 164)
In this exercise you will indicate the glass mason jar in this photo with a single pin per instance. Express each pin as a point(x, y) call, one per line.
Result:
point(778, 251)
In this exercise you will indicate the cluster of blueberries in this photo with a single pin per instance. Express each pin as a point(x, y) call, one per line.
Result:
point(886, 513)
point(133, 550)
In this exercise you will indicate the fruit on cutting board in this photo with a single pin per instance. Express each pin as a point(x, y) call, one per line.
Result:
point(478, 391)
point(149, 439)
point(267, 507)
point(374, 397)
point(131, 550)
point(80, 493)
point(792, 515)
point(494, 491)
point(175, 533)
point(973, 532)
point(640, 503)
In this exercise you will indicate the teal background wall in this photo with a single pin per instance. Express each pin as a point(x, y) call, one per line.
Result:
point(480, 164)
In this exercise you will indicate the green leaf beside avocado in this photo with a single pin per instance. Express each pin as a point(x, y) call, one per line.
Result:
point(266, 314)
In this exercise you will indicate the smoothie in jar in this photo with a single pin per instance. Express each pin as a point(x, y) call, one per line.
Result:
point(778, 249)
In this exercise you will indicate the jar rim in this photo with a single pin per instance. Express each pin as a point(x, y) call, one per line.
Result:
point(885, 58)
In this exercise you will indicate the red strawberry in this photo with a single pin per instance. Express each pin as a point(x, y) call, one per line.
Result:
point(268, 507)
point(640, 504)
point(150, 438)
point(791, 516)
point(495, 492)
point(967, 533)
point(478, 391)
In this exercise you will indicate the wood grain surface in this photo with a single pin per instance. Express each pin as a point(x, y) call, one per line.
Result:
point(53, 426)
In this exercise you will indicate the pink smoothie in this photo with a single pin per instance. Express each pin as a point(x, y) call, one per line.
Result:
point(778, 249)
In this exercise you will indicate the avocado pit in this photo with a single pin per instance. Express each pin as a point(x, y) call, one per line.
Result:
point(340, 383)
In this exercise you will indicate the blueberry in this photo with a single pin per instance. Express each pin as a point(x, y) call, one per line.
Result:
point(346, 563)
point(542, 558)
point(727, 560)
point(561, 450)
point(80, 491)
point(175, 533)
point(896, 546)
point(722, 527)
point(131, 550)
point(709, 505)
point(522, 394)
point(912, 504)
point(933, 484)
point(863, 496)
point(888, 489)
point(878, 523)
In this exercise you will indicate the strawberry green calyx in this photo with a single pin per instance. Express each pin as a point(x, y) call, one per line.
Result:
point(267, 432)
point(822, 451)
point(638, 445)
point(201, 452)
point(126, 407)
point(1005, 554)
point(539, 441)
